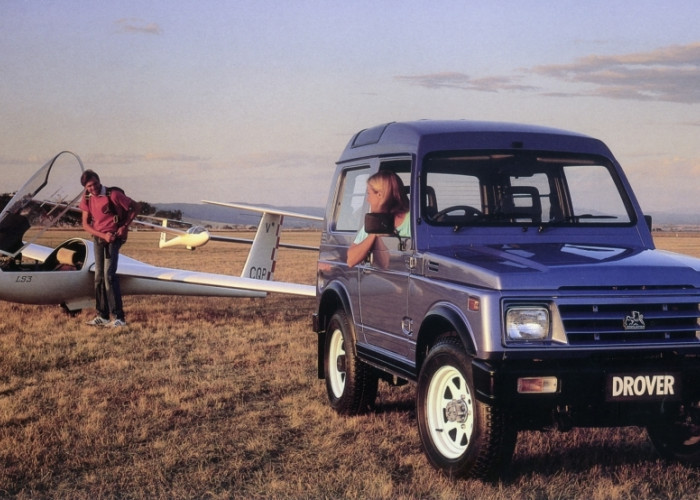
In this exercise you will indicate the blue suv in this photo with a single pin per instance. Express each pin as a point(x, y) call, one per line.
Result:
point(529, 294)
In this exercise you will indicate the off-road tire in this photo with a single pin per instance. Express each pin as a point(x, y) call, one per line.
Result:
point(676, 435)
point(351, 384)
point(461, 436)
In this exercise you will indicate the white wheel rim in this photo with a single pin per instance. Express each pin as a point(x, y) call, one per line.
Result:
point(450, 412)
point(335, 352)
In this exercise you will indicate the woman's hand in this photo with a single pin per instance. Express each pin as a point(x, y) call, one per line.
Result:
point(358, 251)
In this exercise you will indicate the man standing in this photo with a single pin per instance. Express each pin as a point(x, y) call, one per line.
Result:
point(107, 213)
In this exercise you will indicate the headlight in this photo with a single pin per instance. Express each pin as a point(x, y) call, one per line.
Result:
point(527, 323)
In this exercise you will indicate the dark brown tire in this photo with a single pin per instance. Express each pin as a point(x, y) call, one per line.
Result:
point(351, 384)
point(676, 435)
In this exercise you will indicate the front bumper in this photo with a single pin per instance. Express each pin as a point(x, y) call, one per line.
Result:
point(596, 390)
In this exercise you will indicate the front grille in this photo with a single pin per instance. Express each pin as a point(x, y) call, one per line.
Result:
point(631, 323)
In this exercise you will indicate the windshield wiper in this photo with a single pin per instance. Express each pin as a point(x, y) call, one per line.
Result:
point(591, 216)
point(473, 220)
point(574, 219)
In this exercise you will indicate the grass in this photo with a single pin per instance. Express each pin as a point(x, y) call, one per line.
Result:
point(218, 398)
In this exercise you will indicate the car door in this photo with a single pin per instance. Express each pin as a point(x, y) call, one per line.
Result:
point(383, 290)
point(383, 286)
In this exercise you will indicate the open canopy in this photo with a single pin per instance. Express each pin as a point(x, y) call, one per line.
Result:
point(41, 201)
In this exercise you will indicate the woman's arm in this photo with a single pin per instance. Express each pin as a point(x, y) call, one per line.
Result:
point(358, 251)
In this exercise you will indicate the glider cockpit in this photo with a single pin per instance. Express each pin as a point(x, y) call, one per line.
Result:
point(69, 256)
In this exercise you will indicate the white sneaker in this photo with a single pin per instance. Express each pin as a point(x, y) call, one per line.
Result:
point(117, 323)
point(98, 321)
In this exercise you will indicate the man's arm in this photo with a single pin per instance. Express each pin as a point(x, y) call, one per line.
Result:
point(108, 237)
point(134, 209)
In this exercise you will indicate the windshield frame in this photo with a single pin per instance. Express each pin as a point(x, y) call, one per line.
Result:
point(553, 200)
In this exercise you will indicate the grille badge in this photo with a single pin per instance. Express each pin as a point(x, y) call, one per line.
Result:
point(635, 321)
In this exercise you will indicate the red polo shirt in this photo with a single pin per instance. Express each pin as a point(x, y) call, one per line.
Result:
point(99, 209)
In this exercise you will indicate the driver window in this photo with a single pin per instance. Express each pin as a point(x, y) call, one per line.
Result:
point(350, 205)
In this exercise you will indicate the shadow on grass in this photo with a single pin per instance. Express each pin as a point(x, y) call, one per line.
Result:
point(578, 451)
point(399, 406)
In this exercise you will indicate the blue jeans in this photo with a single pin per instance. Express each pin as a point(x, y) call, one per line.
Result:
point(108, 295)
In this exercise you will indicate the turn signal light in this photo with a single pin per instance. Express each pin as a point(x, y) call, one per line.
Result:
point(538, 385)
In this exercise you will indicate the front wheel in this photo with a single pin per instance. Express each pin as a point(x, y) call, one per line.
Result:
point(676, 436)
point(461, 436)
point(351, 384)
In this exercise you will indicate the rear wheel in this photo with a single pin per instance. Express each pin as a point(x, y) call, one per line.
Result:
point(677, 435)
point(351, 384)
point(461, 436)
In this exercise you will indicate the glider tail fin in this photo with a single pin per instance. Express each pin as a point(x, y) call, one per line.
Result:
point(163, 237)
point(263, 252)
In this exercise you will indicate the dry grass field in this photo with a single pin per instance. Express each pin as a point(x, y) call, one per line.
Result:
point(218, 398)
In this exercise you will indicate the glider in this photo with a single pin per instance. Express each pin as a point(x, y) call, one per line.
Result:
point(197, 236)
point(65, 274)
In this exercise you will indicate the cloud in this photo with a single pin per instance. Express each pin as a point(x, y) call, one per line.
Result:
point(24, 161)
point(665, 74)
point(133, 25)
point(129, 159)
point(462, 81)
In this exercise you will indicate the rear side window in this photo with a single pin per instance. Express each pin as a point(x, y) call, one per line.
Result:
point(350, 203)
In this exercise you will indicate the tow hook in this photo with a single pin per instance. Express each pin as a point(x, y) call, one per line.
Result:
point(563, 421)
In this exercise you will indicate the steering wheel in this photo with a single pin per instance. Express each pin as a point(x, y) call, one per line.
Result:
point(468, 211)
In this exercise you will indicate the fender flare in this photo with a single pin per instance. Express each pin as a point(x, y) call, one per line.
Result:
point(334, 297)
point(449, 317)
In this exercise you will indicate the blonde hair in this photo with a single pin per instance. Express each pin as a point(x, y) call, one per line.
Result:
point(391, 186)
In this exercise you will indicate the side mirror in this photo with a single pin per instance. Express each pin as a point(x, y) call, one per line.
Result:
point(379, 223)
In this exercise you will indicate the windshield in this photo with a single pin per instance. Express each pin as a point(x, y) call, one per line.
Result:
point(521, 188)
point(40, 202)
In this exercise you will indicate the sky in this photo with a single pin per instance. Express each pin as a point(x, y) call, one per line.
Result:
point(253, 101)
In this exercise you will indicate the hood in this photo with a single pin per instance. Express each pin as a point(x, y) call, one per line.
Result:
point(554, 265)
